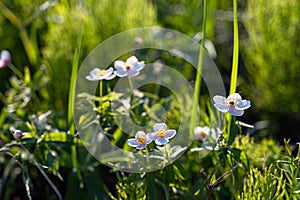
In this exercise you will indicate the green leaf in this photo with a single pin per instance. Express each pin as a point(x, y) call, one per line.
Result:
point(74, 188)
point(59, 137)
point(234, 130)
point(94, 186)
point(241, 157)
point(178, 170)
point(26, 181)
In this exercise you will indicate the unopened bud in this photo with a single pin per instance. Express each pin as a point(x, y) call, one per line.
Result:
point(4, 58)
point(18, 134)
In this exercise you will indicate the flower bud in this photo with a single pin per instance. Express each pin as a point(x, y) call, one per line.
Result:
point(18, 134)
point(4, 58)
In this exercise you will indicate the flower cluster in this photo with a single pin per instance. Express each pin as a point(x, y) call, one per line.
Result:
point(232, 104)
point(160, 136)
point(98, 74)
point(131, 67)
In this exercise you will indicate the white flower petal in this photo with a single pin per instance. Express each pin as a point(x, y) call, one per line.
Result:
point(109, 71)
point(152, 136)
point(235, 96)
point(120, 73)
point(112, 76)
point(133, 60)
point(170, 134)
point(92, 77)
point(221, 107)
point(161, 141)
point(5, 56)
point(119, 65)
point(139, 66)
point(242, 105)
point(159, 126)
point(140, 134)
point(132, 142)
point(94, 71)
point(219, 99)
point(201, 133)
point(148, 140)
point(235, 112)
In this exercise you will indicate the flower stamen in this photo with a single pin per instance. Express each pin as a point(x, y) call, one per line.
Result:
point(127, 67)
point(161, 133)
point(231, 103)
point(141, 140)
point(101, 73)
point(202, 134)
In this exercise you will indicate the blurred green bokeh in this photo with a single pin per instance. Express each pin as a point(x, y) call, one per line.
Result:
point(46, 32)
point(98, 21)
point(271, 53)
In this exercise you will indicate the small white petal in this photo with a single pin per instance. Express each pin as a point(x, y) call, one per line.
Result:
point(139, 66)
point(140, 134)
point(152, 136)
point(120, 73)
point(5, 56)
point(133, 60)
point(119, 65)
point(161, 141)
point(235, 96)
point(109, 71)
point(201, 133)
point(235, 112)
point(92, 77)
point(95, 71)
point(132, 142)
point(112, 76)
point(170, 134)
point(221, 107)
point(242, 105)
point(160, 126)
point(148, 140)
point(219, 99)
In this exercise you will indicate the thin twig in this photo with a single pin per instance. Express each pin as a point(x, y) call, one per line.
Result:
point(42, 172)
point(211, 186)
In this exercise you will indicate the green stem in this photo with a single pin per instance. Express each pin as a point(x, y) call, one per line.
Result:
point(130, 84)
point(199, 71)
point(42, 171)
point(16, 71)
point(235, 49)
point(234, 59)
point(71, 103)
point(101, 94)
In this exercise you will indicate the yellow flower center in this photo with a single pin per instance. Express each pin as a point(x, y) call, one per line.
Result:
point(202, 134)
point(101, 73)
point(141, 140)
point(161, 133)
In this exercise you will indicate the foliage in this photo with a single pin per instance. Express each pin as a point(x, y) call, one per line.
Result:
point(271, 55)
point(48, 158)
point(67, 18)
point(277, 181)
